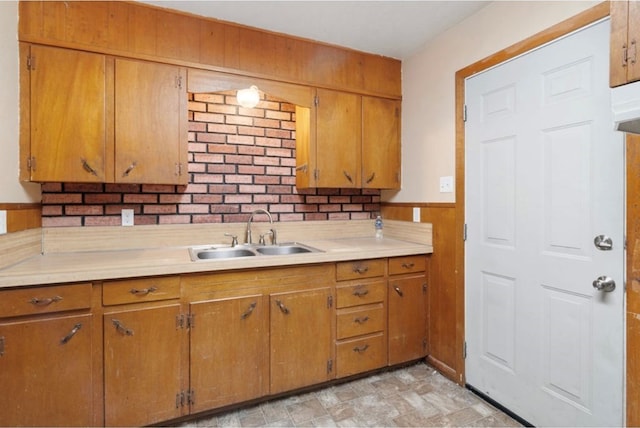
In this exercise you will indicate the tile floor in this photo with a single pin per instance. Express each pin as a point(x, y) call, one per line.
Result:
point(416, 396)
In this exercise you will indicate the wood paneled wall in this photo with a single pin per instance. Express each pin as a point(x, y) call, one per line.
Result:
point(147, 32)
point(446, 334)
point(633, 280)
point(22, 216)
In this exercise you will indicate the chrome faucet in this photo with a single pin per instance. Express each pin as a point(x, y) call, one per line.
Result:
point(272, 232)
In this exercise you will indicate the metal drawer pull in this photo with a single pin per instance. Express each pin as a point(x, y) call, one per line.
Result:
point(360, 349)
point(45, 302)
point(400, 293)
point(361, 320)
point(360, 292)
point(248, 312)
point(144, 291)
point(282, 307)
point(360, 269)
point(128, 170)
point(72, 333)
point(370, 179)
point(408, 265)
point(88, 167)
point(121, 328)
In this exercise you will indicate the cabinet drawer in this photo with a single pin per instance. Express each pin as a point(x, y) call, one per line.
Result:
point(362, 293)
point(43, 300)
point(359, 269)
point(360, 320)
point(360, 355)
point(407, 264)
point(140, 290)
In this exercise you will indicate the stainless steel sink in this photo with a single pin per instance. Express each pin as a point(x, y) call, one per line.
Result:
point(223, 253)
point(209, 252)
point(284, 249)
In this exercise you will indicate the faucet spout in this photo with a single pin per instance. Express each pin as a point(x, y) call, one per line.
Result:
point(258, 211)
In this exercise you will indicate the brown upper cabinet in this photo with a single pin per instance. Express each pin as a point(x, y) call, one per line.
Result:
point(356, 142)
point(88, 117)
point(64, 115)
point(151, 124)
point(625, 37)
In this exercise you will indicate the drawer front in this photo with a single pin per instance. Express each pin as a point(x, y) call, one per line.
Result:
point(359, 269)
point(359, 321)
point(407, 264)
point(361, 293)
point(361, 355)
point(140, 290)
point(43, 300)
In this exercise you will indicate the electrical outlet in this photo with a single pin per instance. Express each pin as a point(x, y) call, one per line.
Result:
point(3, 222)
point(127, 217)
point(446, 184)
point(416, 214)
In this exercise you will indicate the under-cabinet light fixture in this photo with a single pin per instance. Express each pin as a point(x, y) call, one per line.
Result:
point(248, 98)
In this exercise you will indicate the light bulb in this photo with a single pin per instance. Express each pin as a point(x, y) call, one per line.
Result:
point(248, 98)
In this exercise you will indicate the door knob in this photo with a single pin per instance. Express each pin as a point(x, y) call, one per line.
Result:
point(604, 283)
point(603, 243)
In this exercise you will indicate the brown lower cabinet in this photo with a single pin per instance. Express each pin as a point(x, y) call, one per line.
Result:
point(407, 309)
point(47, 366)
point(228, 350)
point(145, 351)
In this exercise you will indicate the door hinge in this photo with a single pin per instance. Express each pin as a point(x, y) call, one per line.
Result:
point(179, 82)
point(185, 398)
point(185, 321)
point(464, 113)
point(424, 345)
point(1, 346)
point(329, 365)
point(629, 54)
point(316, 174)
point(316, 100)
point(329, 302)
point(191, 320)
point(31, 62)
point(178, 169)
point(464, 350)
point(424, 288)
point(31, 163)
point(464, 232)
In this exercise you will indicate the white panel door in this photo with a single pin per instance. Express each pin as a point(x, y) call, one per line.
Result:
point(544, 176)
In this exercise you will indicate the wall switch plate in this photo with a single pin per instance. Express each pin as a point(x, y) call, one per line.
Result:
point(416, 214)
point(446, 184)
point(3, 222)
point(127, 217)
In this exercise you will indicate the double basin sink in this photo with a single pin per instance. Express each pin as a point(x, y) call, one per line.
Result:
point(212, 252)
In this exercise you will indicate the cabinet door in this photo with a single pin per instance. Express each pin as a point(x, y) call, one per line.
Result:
point(301, 338)
point(229, 351)
point(625, 38)
point(150, 123)
point(338, 138)
point(407, 319)
point(46, 372)
point(142, 366)
point(68, 115)
point(380, 143)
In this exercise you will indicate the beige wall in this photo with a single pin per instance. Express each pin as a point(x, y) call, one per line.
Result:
point(11, 190)
point(428, 120)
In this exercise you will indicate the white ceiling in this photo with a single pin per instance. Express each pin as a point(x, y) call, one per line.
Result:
point(396, 29)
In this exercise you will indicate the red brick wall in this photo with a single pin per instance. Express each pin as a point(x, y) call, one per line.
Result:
point(239, 160)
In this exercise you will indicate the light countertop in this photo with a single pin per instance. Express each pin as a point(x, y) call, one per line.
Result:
point(82, 265)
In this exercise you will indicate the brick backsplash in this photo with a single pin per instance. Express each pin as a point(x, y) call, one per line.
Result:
point(239, 160)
